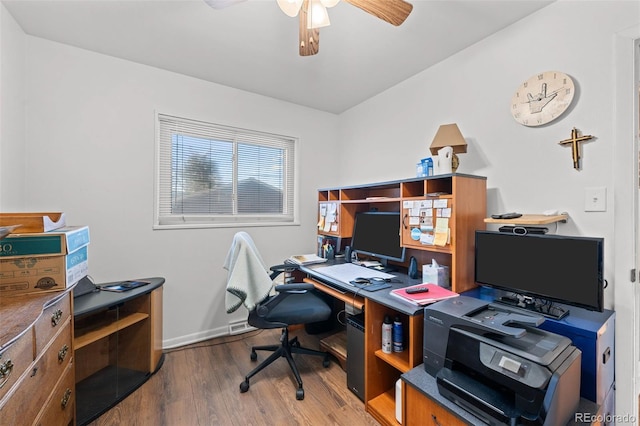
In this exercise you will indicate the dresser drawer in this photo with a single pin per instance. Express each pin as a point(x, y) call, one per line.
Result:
point(23, 405)
point(15, 360)
point(61, 407)
point(51, 321)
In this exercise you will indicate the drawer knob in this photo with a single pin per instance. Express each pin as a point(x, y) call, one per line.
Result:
point(65, 398)
point(56, 317)
point(62, 353)
point(5, 371)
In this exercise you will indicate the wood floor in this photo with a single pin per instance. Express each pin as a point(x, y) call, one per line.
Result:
point(198, 385)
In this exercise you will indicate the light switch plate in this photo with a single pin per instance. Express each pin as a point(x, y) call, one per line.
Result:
point(595, 199)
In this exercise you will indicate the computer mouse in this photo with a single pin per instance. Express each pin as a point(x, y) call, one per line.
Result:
point(361, 280)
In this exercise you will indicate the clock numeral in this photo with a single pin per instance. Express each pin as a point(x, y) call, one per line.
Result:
point(514, 106)
point(526, 84)
point(516, 115)
point(540, 76)
point(564, 81)
point(539, 120)
point(568, 91)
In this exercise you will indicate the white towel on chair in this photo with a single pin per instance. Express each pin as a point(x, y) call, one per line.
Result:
point(248, 281)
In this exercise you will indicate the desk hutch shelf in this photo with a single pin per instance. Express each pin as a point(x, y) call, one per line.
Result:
point(530, 219)
point(463, 195)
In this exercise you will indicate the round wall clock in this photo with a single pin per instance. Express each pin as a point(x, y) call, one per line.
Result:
point(542, 98)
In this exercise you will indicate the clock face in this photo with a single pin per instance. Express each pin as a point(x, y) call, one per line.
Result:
point(542, 98)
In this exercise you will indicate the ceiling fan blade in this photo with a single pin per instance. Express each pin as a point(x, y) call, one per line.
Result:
point(392, 11)
point(309, 43)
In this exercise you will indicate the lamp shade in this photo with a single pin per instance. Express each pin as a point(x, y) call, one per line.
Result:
point(317, 15)
point(290, 7)
point(448, 135)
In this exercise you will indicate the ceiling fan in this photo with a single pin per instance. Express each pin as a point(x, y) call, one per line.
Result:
point(313, 15)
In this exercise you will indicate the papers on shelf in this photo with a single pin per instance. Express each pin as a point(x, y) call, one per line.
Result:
point(435, 294)
point(306, 259)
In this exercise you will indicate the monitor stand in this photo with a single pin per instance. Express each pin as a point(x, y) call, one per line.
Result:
point(384, 266)
point(546, 309)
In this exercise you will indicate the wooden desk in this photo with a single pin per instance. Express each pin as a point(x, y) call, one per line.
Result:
point(381, 370)
point(118, 345)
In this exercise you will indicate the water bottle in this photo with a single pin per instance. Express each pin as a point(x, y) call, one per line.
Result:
point(398, 345)
point(386, 335)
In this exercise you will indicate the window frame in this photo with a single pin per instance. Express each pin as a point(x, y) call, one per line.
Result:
point(186, 221)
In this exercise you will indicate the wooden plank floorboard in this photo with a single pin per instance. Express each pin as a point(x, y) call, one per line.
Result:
point(198, 385)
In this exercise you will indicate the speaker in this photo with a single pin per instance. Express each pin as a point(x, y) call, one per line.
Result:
point(413, 268)
point(347, 254)
point(523, 230)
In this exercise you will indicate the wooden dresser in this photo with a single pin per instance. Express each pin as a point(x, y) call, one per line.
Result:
point(37, 380)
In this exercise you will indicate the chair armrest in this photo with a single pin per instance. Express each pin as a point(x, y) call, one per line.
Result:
point(293, 287)
point(284, 290)
point(284, 267)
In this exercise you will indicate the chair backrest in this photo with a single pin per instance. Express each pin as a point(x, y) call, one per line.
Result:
point(248, 280)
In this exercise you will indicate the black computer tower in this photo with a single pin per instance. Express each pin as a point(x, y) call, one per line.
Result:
point(355, 354)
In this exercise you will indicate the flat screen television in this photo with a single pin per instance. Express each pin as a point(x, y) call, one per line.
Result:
point(541, 269)
point(377, 234)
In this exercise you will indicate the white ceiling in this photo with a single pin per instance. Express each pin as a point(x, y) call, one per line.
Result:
point(253, 45)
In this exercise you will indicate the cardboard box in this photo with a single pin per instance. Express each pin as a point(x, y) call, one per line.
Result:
point(61, 241)
point(31, 274)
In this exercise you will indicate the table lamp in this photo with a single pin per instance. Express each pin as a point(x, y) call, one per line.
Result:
point(449, 135)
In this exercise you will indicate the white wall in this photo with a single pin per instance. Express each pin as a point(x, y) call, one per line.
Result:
point(90, 153)
point(527, 170)
point(12, 113)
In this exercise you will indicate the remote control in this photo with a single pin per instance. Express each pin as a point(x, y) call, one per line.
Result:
point(506, 215)
point(415, 290)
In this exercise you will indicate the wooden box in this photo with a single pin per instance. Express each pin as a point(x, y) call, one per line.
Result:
point(33, 222)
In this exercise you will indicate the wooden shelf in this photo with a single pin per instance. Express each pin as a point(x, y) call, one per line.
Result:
point(530, 219)
point(106, 328)
point(398, 360)
point(383, 407)
point(372, 200)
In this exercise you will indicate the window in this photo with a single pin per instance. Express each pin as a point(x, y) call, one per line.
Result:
point(218, 175)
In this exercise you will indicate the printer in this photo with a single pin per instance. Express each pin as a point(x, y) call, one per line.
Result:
point(494, 362)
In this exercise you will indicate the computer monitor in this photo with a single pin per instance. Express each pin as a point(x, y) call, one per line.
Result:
point(544, 268)
point(377, 234)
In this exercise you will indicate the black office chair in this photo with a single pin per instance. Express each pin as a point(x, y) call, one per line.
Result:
point(291, 304)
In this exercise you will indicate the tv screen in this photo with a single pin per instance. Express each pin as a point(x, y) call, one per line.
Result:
point(556, 268)
point(378, 234)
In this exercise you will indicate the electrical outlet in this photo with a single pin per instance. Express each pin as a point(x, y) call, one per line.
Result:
point(595, 199)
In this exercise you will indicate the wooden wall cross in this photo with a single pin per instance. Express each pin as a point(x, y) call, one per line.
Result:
point(574, 140)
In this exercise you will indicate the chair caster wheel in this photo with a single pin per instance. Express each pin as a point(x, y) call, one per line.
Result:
point(254, 355)
point(300, 394)
point(244, 386)
point(326, 362)
point(295, 344)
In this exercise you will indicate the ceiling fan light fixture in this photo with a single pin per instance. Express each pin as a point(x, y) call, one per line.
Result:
point(317, 15)
point(290, 7)
point(329, 3)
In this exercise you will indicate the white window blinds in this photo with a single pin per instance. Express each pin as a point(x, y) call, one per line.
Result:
point(213, 174)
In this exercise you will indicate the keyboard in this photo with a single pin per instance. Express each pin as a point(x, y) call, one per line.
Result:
point(347, 272)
